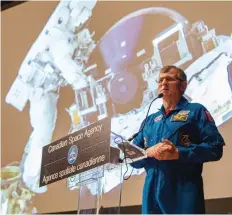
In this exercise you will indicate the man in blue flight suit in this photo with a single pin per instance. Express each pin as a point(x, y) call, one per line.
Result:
point(178, 139)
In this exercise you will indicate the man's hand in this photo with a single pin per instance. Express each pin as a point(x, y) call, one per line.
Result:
point(163, 151)
point(155, 150)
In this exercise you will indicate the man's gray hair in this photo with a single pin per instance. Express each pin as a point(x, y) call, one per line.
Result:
point(180, 72)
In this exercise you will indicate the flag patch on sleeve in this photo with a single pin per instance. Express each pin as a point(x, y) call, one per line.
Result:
point(208, 116)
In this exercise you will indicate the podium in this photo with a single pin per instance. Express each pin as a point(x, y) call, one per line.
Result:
point(91, 165)
point(92, 185)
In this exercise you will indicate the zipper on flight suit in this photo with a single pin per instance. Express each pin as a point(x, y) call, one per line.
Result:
point(164, 117)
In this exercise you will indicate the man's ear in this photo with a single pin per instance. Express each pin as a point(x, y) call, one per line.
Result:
point(183, 86)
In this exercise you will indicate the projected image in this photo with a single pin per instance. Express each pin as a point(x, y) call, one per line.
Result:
point(113, 76)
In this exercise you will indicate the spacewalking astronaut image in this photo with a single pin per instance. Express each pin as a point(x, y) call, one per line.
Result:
point(109, 82)
point(44, 71)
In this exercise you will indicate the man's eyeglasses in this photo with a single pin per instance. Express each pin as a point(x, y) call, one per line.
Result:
point(168, 79)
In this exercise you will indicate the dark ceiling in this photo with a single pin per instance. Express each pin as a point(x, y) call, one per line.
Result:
point(8, 4)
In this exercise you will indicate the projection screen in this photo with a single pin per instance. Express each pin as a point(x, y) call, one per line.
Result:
point(66, 65)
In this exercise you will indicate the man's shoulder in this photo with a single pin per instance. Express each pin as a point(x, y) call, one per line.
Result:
point(196, 106)
point(200, 111)
point(153, 115)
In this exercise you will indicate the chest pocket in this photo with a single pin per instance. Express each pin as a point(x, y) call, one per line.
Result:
point(176, 128)
point(180, 131)
point(184, 134)
point(182, 128)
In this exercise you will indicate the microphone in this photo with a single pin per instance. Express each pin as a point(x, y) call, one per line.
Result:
point(135, 135)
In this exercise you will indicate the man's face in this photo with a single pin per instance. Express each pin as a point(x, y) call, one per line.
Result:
point(170, 85)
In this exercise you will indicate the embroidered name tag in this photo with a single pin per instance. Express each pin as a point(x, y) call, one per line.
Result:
point(181, 116)
point(184, 112)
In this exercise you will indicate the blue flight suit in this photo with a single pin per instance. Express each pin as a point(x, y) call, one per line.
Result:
point(176, 186)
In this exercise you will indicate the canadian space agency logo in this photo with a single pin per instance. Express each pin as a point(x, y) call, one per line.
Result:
point(72, 154)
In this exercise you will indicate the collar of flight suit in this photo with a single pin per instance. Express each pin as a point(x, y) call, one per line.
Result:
point(181, 105)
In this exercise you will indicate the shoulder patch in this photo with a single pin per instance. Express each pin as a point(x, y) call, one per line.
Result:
point(208, 116)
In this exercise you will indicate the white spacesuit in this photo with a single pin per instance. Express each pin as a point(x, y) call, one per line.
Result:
point(56, 59)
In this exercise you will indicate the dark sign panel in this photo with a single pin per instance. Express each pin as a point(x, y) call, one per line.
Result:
point(78, 152)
